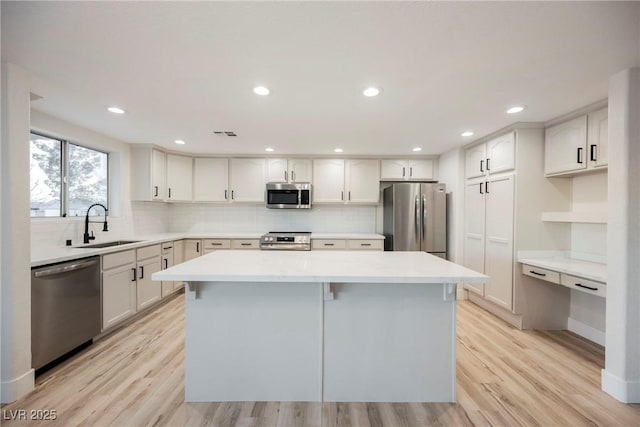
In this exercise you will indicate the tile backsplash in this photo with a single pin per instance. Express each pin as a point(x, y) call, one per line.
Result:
point(151, 218)
point(249, 218)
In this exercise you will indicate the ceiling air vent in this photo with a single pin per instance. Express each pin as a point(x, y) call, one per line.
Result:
point(224, 133)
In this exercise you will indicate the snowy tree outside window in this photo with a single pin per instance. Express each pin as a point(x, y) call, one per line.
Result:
point(86, 177)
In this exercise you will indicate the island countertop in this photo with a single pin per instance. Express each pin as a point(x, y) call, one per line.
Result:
point(320, 266)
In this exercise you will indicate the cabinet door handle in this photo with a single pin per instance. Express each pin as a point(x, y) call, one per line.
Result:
point(403, 170)
point(216, 244)
point(580, 285)
point(342, 195)
point(156, 193)
point(293, 176)
point(481, 192)
point(328, 244)
point(225, 194)
point(579, 153)
point(232, 195)
point(365, 244)
point(169, 192)
point(488, 168)
point(285, 175)
point(198, 247)
point(536, 273)
point(245, 244)
point(410, 172)
point(481, 165)
point(142, 272)
point(592, 154)
point(349, 195)
point(166, 263)
point(486, 186)
point(134, 274)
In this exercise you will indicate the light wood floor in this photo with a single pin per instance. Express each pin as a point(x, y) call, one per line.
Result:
point(506, 377)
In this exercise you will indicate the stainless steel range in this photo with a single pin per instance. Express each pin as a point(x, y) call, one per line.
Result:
point(286, 240)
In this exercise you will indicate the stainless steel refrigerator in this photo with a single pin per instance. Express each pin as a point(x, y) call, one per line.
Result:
point(415, 218)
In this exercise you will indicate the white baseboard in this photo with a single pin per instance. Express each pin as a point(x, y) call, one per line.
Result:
point(14, 389)
point(586, 331)
point(624, 391)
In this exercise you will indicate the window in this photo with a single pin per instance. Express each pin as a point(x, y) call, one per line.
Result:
point(66, 178)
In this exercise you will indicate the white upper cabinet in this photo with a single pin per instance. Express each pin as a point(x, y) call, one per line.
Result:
point(247, 180)
point(148, 174)
point(475, 158)
point(210, 180)
point(328, 178)
point(362, 181)
point(288, 170)
point(598, 138)
point(179, 178)
point(494, 156)
point(501, 153)
point(406, 170)
point(565, 147)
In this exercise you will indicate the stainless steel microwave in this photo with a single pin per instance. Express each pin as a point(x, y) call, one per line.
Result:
point(288, 196)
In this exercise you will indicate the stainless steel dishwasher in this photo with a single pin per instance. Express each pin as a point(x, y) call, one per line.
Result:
point(65, 308)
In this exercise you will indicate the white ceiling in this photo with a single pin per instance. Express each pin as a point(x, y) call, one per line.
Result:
point(182, 70)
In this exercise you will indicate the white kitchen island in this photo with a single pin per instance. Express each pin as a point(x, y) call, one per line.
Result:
point(334, 326)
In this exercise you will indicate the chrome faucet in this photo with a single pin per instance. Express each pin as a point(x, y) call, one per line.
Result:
point(88, 237)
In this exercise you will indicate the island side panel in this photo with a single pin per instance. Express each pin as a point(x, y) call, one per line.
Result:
point(254, 342)
point(389, 343)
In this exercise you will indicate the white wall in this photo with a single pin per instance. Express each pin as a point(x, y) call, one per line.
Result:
point(16, 375)
point(189, 217)
point(589, 241)
point(54, 231)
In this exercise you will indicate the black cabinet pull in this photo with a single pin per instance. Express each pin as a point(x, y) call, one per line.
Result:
point(142, 272)
point(134, 274)
point(365, 244)
point(410, 172)
point(225, 195)
point(349, 195)
point(169, 192)
point(579, 160)
point(486, 186)
point(403, 170)
point(245, 244)
point(166, 263)
point(342, 194)
point(216, 244)
point(198, 247)
point(481, 165)
point(232, 195)
point(536, 273)
point(328, 244)
point(488, 168)
point(580, 285)
point(592, 152)
point(156, 194)
point(481, 192)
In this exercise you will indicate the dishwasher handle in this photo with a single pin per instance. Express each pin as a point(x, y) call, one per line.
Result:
point(64, 269)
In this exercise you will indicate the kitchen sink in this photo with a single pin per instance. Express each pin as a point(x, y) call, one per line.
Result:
point(108, 244)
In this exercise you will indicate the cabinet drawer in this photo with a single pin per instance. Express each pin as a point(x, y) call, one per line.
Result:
point(118, 259)
point(148, 252)
point(328, 244)
point(246, 244)
point(584, 285)
point(375, 245)
point(167, 246)
point(541, 273)
point(216, 244)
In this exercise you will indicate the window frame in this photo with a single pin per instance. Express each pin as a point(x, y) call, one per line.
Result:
point(64, 172)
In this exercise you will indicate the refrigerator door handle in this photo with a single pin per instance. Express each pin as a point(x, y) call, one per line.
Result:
point(424, 218)
point(417, 217)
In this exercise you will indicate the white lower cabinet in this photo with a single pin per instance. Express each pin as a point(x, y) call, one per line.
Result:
point(192, 249)
point(149, 262)
point(474, 239)
point(118, 287)
point(178, 258)
point(348, 244)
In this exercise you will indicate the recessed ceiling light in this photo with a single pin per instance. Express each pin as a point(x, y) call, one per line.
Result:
point(371, 91)
point(269, 149)
point(261, 90)
point(179, 142)
point(417, 149)
point(116, 110)
point(338, 150)
point(514, 110)
point(467, 133)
